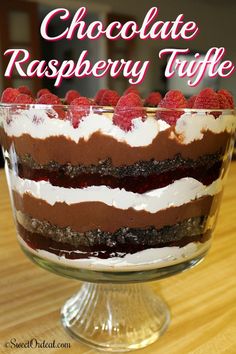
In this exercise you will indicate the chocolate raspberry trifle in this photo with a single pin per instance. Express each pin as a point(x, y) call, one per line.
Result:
point(116, 183)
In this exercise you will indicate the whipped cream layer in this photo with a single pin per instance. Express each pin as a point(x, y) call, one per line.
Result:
point(148, 259)
point(36, 123)
point(176, 194)
point(192, 126)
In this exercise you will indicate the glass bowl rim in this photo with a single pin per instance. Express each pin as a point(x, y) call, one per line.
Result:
point(111, 109)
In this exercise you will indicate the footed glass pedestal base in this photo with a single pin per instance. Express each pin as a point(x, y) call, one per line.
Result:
point(115, 317)
point(113, 311)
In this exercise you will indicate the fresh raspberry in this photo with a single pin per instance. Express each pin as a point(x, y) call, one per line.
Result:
point(9, 95)
point(131, 89)
point(191, 101)
point(207, 99)
point(229, 97)
point(51, 99)
point(173, 99)
point(130, 100)
point(25, 90)
point(153, 99)
point(24, 99)
point(99, 95)
point(71, 95)
point(48, 98)
point(79, 109)
point(42, 92)
point(81, 101)
point(109, 98)
point(128, 107)
point(223, 101)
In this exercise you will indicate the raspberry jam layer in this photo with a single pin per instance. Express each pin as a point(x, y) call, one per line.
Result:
point(124, 241)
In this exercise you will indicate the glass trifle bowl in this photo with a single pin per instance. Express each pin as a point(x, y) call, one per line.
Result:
point(115, 197)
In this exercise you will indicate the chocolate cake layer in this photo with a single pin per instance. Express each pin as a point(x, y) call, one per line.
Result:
point(99, 147)
point(87, 216)
point(105, 168)
point(150, 237)
point(118, 249)
point(205, 173)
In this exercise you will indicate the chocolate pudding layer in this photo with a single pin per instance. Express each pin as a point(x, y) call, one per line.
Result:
point(87, 216)
point(96, 150)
